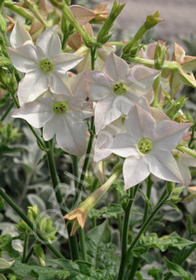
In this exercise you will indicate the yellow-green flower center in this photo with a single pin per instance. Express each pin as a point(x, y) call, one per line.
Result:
point(120, 88)
point(145, 145)
point(60, 107)
point(46, 65)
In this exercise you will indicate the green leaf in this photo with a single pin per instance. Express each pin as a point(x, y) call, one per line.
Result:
point(110, 212)
point(163, 243)
point(8, 150)
point(6, 246)
point(177, 270)
point(157, 274)
point(100, 250)
point(41, 273)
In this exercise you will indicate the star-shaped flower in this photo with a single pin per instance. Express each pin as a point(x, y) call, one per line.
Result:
point(118, 88)
point(147, 147)
point(61, 116)
point(44, 64)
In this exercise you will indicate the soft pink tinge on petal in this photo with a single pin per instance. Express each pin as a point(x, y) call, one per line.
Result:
point(164, 166)
point(169, 133)
point(71, 134)
point(116, 68)
point(124, 145)
point(32, 86)
point(65, 61)
point(100, 85)
point(100, 111)
point(135, 170)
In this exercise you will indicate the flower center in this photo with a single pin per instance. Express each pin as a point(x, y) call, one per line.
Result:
point(60, 107)
point(46, 65)
point(145, 145)
point(120, 88)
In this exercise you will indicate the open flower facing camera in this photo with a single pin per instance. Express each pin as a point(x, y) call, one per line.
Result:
point(112, 133)
point(44, 65)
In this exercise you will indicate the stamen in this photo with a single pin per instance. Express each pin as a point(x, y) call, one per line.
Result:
point(46, 65)
point(145, 145)
point(60, 107)
point(120, 88)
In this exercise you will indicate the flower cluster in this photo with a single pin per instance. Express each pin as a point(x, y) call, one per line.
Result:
point(122, 94)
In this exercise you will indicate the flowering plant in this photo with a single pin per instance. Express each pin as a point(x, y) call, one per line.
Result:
point(122, 125)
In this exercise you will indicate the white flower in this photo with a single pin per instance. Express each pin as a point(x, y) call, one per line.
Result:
point(184, 161)
point(118, 88)
point(61, 116)
point(147, 147)
point(44, 64)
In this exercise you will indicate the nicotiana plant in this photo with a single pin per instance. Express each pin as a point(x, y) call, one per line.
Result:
point(113, 147)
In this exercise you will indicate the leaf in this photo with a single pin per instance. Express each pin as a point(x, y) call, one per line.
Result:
point(41, 273)
point(34, 199)
point(177, 270)
point(110, 212)
point(156, 273)
point(163, 243)
point(8, 150)
point(94, 238)
point(6, 245)
point(101, 252)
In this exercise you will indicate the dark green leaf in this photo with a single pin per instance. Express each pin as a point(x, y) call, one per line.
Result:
point(177, 270)
point(110, 212)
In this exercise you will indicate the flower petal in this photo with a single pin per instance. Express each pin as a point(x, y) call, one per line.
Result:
point(100, 85)
point(164, 166)
point(116, 68)
point(135, 170)
point(19, 35)
point(71, 134)
point(49, 42)
point(24, 58)
point(124, 146)
point(168, 134)
point(58, 84)
point(100, 112)
point(32, 86)
point(65, 61)
point(37, 113)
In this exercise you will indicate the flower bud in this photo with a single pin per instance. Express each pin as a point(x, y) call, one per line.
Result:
point(40, 254)
point(160, 55)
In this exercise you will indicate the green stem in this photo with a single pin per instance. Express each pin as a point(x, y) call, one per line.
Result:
point(85, 165)
point(90, 143)
point(134, 267)
point(169, 65)
point(83, 244)
point(25, 248)
point(148, 193)
point(186, 150)
point(20, 212)
point(81, 231)
point(59, 197)
point(34, 9)
point(29, 255)
point(162, 200)
point(75, 170)
point(7, 112)
point(119, 216)
point(88, 40)
point(133, 192)
point(19, 10)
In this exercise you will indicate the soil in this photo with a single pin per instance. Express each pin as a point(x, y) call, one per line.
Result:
point(179, 17)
